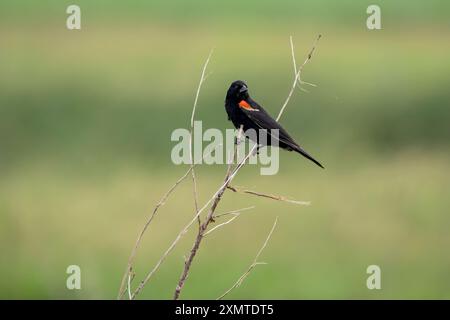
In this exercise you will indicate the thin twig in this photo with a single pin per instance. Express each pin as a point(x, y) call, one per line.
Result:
point(194, 183)
point(308, 83)
point(270, 196)
point(129, 286)
point(202, 79)
point(194, 180)
point(233, 212)
point(253, 265)
point(294, 62)
point(221, 224)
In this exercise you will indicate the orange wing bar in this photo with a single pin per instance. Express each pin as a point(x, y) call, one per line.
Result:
point(245, 105)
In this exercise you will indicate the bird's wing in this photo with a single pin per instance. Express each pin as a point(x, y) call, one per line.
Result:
point(263, 120)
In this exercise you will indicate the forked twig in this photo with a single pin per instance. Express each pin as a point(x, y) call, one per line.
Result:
point(298, 74)
point(300, 81)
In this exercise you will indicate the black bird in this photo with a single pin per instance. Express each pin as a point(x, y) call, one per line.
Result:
point(243, 110)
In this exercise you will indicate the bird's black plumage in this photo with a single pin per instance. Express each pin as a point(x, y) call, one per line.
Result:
point(243, 110)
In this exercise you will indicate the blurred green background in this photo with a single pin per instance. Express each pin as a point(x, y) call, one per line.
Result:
point(85, 124)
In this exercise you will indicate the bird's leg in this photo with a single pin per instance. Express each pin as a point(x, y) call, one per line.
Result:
point(256, 151)
point(238, 138)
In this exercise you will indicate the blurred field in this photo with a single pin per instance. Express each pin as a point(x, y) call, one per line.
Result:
point(85, 123)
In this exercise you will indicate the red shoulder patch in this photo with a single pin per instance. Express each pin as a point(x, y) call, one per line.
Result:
point(245, 105)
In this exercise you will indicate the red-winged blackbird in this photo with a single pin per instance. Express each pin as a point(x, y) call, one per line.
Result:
point(243, 110)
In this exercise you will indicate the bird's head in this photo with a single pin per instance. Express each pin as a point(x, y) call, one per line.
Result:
point(238, 91)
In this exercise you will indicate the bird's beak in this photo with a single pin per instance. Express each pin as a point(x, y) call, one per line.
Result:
point(243, 89)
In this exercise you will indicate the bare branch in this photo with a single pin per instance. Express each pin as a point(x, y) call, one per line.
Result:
point(253, 265)
point(141, 234)
point(214, 201)
point(270, 196)
point(209, 218)
point(228, 178)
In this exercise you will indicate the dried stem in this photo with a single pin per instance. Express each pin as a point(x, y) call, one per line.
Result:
point(202, 79)
point(294, 61)
point(270, 196)
point(233, 212)
point(222, 224)
point(253, 265)
point(194, 180)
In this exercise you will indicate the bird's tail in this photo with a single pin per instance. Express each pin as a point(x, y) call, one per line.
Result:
point(306, 155)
